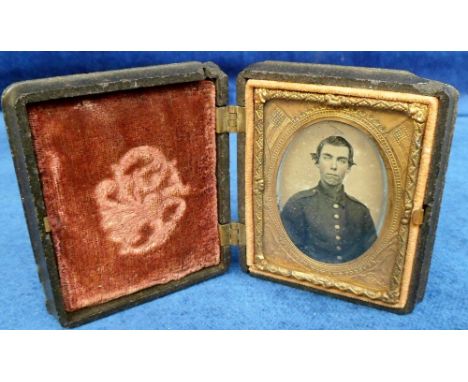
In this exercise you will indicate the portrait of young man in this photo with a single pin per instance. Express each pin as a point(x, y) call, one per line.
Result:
point(325, 222)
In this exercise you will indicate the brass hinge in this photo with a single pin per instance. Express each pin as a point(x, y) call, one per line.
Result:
point(47, 225)
point(230, 119)
point(417, 217)
point(232, 234)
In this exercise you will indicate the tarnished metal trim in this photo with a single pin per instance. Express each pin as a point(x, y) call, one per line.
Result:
point(230, 119)
point(418, 217)
point(232, 234)
point(47, 225)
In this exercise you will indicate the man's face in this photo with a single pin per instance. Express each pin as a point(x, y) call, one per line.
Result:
point(333, 164)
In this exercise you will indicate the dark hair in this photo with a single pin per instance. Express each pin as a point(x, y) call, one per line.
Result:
point(335, 141)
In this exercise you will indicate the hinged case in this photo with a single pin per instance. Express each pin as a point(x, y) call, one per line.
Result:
point(124, 178)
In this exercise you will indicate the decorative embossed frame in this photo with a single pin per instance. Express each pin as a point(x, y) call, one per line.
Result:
point(15, 101)
point(371, 278)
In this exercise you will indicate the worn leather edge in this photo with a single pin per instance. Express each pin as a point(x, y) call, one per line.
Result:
point(333, 75)
point(448, 97)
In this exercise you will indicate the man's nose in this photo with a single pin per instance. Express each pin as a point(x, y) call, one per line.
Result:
point(333, 164)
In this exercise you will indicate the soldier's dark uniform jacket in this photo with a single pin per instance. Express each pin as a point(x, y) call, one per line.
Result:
point(331, 229)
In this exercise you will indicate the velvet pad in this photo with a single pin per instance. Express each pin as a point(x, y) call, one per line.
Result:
point(129, 183)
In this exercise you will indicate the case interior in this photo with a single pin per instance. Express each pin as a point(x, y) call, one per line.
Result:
point(125, 176)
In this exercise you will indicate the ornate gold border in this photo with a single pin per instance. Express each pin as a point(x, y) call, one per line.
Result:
point(362, 122)
point(422, 110)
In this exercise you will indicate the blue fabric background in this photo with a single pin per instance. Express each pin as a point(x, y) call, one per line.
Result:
point(236, 300)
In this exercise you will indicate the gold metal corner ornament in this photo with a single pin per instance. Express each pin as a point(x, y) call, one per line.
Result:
point(230, 119)
point(231, 234)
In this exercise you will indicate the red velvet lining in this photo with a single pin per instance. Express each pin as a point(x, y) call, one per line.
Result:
point(99, 159)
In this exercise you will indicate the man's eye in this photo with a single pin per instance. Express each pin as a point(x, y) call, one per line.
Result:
point(342, 161)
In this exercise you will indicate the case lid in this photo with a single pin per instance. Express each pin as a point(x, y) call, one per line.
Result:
point(124, 183)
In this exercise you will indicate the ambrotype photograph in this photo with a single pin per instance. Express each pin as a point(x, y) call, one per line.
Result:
point(331, 191)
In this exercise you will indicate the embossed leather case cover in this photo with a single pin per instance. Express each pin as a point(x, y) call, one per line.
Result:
point(125, 168)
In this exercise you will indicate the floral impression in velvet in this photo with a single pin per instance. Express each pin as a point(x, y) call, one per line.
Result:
point(142, 204)
point(129, 184)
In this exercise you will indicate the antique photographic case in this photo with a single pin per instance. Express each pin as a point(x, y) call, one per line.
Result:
point(124, 177)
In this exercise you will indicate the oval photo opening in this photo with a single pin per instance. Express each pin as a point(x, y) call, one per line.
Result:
point(332, 191)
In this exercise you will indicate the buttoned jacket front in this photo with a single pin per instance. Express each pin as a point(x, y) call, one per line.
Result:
point(328, 228)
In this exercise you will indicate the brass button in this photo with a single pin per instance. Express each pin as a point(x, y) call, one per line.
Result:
point(337, 226)
point(338, 237)
point(336, 216)
point(338, 248)
point(335, 205)
point(339, 258)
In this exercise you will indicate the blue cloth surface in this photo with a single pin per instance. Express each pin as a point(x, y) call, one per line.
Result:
point(449, 67)
point(236, 300)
